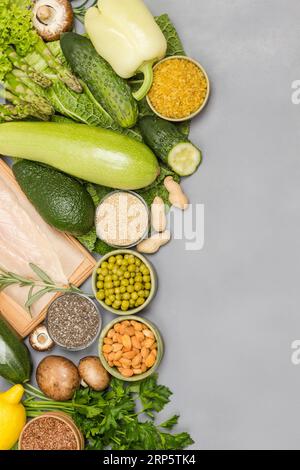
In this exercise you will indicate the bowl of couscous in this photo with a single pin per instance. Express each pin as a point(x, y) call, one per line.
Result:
point(180, 89)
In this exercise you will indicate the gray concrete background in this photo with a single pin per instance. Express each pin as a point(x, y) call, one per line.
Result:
point(229, 312)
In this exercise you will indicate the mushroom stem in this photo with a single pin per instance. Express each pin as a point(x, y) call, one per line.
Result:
point(83, 383)
point(44, 13)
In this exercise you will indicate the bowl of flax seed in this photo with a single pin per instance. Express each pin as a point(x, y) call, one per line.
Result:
point(51, 431)
point(180, 89)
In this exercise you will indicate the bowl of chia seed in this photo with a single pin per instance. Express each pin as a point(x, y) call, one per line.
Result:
point(73, 321)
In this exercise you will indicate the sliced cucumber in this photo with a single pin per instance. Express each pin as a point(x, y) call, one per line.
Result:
point(172, 147)
point(184, 159)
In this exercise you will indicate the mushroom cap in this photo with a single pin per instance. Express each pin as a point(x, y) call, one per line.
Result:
point(93, 373)
point(60, 18)
point(57, 377)
point(40, 339)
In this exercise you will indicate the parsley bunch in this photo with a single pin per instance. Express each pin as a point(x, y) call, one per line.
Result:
point(110, 420)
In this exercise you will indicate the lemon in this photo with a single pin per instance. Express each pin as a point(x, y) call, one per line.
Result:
point(12, 416)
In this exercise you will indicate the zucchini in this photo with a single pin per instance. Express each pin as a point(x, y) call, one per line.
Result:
point(170, 146)
point(112, 92)
point(97, 155)
point(15, 363)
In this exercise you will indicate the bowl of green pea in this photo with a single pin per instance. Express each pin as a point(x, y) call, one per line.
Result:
point(124, 282)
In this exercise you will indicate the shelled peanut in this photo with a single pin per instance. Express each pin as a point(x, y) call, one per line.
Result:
point(131, 347)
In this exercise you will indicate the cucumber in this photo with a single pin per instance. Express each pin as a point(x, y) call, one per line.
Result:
point(112, 92)
point(100, 156)
point(172, 147)
point(60, 199)
point(15, 363)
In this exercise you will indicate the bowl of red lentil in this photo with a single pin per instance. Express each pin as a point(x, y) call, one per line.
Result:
point(51, 431)
point(180, 89)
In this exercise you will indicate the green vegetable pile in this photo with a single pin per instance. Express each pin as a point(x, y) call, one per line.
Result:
point(39, 85)
point(110, 420)
point(28, 68)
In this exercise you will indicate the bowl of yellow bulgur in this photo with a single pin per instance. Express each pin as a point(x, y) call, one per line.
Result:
point(180, 88)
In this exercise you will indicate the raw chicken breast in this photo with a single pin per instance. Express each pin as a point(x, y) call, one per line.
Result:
point(26, 238)
point(22, 241)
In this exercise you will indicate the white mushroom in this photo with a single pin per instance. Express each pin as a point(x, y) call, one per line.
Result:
point(40, 339)
point(93, 374)
point(51, 18)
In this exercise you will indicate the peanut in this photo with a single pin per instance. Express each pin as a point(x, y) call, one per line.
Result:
point(154, 346)
point(108, 341)
point(150, 360)
point(122, 330)
point(130, 354)
point(158, 215)
point(125, 323)
point(126, 342)
point(116, 337)
point(139, 335)
point(148, 343)
point(135, 342)
point(125, 362)
point(117, 364)
point(117, 347)
point(107, 348)
point(118, 355)
point(136, 360)
point(117, 327)
point(145, 353)
point(110, 333)
point(176, 195)
point(153, 244)
point(111, 356)
point(130, 331)
point(148, 333)
point(111, 364)
point(137, 371)
point(137, 326)
point(126, 372)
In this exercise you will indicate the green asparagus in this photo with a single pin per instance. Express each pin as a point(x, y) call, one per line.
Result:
point(20, 104)
point(20, 64)
point(9, 112)
point(27, 81)
point(18, 88)
point(62, 72)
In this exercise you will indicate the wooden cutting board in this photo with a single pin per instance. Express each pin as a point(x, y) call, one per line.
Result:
point(16, 315)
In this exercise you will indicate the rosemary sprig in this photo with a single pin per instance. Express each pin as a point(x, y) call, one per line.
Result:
point(44, 284)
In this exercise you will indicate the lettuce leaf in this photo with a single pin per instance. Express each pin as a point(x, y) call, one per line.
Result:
point(158, 187)
point(89, 239)
point(16, 27)
point(175, 46)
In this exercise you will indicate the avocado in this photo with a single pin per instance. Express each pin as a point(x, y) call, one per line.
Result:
point(61, 200)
